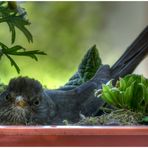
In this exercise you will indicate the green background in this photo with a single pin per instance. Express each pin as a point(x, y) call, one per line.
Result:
point(65, 31)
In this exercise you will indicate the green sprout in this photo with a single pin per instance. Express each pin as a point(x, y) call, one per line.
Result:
point(130, 92)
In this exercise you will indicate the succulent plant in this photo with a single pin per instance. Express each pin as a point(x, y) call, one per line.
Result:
point(130, 92)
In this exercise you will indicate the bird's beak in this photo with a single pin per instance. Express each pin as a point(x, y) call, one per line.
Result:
point(20, 102)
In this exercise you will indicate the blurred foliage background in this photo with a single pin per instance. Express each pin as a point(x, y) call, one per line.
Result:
point(66, 30)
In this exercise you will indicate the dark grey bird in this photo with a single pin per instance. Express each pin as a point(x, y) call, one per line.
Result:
point(25, 102)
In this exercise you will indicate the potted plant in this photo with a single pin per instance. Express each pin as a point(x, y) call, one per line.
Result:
point(120, 94)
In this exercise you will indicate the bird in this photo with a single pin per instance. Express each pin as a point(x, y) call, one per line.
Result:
point(22, 103)
point(26, 102)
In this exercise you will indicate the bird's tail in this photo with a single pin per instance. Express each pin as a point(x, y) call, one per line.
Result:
point(130, 59)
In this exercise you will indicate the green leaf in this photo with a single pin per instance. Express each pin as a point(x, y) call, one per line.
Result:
point(90, 63)
point(18, 51)
point(109, 95)
point(13, 63)
point(15, 20)
point(20, 25)
point(1, 3)
point(86, 70)
point(130, 92)
point(122, 84)
point(4, 47)
point(12, 29)
point(143, 88)
point(106, 96)
point(13, 49)
point(145, 119)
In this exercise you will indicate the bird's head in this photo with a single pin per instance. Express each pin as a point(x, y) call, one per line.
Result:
point(22, 100)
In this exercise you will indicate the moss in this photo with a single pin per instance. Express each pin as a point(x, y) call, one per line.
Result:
point(116, 117)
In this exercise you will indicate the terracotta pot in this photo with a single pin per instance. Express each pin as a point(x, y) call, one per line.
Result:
point(73, 136)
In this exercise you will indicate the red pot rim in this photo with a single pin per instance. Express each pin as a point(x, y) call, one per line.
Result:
point(74, 130)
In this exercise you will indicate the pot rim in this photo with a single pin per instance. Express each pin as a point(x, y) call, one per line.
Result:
point(73, 130)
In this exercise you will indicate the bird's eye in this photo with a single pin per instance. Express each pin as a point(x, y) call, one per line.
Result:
point(36, 102)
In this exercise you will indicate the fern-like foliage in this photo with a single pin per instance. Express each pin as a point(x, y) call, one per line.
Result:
point(15, 18)
point(86, 70)
point(18, 51)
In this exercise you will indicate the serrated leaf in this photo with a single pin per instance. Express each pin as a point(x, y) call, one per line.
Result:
point(86, 70)
point(90, 63)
